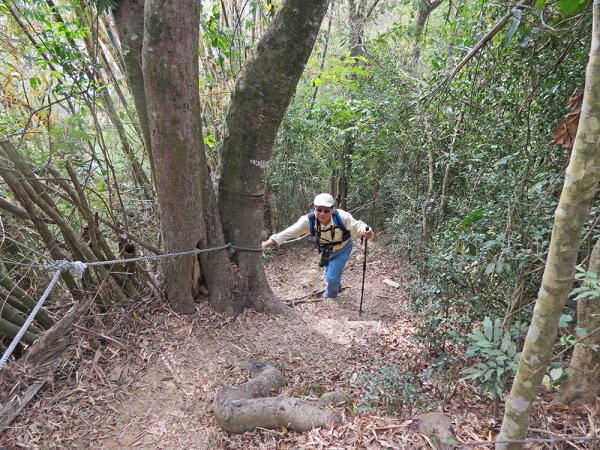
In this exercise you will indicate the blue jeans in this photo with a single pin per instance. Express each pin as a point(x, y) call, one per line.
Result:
point(333, 272)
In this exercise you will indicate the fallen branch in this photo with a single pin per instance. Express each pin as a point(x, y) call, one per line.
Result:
point(47, 345)
point(247, 406)
point(13, 408)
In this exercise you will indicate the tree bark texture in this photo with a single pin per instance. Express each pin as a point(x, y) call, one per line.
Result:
point(170, 64)
point(425, 10)
point(129, 20)
point(262, 93)
point(581, 182)
point(247, 406)
point(185, 197)
point(356, 24)
point(583, 377)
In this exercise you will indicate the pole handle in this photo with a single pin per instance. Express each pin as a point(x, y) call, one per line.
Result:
point(363, 237)
point(362, 292)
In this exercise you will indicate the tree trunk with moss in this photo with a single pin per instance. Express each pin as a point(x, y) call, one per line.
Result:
point(170, 64)
point(583, 377)
point(262, 93)
point(581, 182)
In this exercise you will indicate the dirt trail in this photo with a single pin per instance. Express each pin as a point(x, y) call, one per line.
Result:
point(158, 393)
point(147, 380)
point(170, 406)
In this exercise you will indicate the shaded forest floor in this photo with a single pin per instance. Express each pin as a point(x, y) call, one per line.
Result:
point(149, 379)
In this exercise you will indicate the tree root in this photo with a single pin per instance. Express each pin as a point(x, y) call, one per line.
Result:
point(247, 406)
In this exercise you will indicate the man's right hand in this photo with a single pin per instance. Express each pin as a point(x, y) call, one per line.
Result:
point(268, 243)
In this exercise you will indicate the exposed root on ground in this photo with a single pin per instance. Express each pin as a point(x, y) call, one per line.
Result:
point(248, 406)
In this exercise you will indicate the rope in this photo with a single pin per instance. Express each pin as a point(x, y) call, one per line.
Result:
point(35, 310)
point(80, 267)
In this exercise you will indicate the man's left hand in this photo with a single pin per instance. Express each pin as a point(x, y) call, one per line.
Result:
point(368, 233)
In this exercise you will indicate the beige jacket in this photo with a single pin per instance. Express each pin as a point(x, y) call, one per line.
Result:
point(302, 227)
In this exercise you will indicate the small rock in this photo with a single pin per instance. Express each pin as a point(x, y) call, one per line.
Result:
point(158, 320)
point(335, 397)
point(391, 283)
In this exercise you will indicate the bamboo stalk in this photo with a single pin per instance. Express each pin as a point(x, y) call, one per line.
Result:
point(10, 329)
point(80, 252)
point(22, 298)
point(40, 224)
point(15, 317)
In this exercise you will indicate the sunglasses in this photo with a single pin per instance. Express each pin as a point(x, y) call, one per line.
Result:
point(323, 210)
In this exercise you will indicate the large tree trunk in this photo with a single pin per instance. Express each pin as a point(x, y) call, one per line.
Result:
point(581, 181)
point(170, 63)
point(583, 382)
point(261, 96)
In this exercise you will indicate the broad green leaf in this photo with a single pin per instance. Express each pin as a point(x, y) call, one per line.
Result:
point(488, 328)
point(497, 330)
point(511, 31)
point(557, 373)
point(564, 320)
point(568, 7)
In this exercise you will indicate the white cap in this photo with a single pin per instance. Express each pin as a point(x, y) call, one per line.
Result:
point(324, 200)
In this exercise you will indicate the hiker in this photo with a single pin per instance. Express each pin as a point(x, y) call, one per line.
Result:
point(334, 230)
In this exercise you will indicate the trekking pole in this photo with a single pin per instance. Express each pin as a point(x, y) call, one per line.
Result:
point(362, 292)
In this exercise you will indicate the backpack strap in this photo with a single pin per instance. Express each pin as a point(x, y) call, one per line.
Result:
point(339, 223)
point(312, 220)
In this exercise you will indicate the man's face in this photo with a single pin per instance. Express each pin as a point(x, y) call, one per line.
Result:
point(323, 214)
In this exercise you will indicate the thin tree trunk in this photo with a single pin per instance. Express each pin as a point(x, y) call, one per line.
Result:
point(342, 183)
point(581, 183)
point(447, 169)
point(583, 381)
point(139, 176)
point(129, 19)
point(428, 205)
point(425, 9)
point(340, 179)
point(323, 56)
